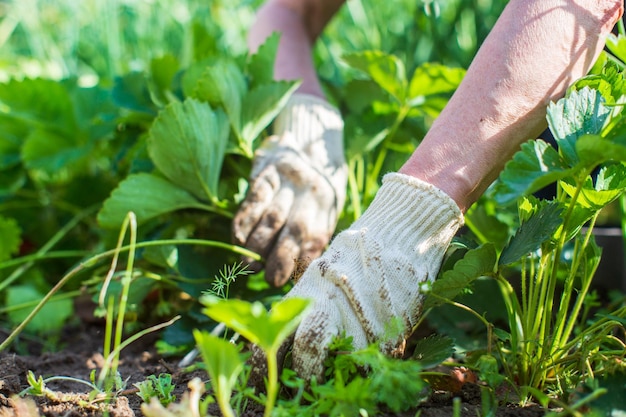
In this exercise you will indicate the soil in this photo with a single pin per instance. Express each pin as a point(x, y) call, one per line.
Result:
point(83, 353)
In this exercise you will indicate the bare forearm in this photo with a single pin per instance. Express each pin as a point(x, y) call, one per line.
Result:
point(536, 50)
point(299, 22)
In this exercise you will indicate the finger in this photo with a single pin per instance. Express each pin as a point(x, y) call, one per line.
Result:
point(283, 259)
point(310, 347)
point(262, 237)
point(259, 198)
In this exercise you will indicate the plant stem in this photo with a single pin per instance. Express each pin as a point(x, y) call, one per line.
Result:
point(96, 258)
point(272, 382)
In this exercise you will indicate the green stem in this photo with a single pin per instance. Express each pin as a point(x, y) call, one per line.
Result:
point(96, 258)
point(272, 382)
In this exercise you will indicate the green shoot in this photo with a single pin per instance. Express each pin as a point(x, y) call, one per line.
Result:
point(224, 365)
point(160, 387)
point(267, 330)
point(221, 284)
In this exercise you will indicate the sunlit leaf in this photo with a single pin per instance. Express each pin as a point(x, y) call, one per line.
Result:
point(261, 63)
point(147, 196)
point(223, 85)
point(582, 112)
point(254, 322)
point(260, 107)
point(386, 70)
point(187, 142)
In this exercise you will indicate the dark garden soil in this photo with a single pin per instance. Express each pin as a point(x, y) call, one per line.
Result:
point(82, 353)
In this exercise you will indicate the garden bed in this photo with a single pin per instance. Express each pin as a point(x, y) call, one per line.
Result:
point(82, 354)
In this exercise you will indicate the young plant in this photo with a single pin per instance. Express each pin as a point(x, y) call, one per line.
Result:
point(160, 387)
point(223, 363)
point(554, 245)
point(266, 330)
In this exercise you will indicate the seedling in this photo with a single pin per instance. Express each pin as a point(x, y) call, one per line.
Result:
point(224, 365)
point(160, 387)
point(267, 330)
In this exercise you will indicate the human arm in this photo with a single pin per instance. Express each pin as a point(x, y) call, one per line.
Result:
point(373, 271)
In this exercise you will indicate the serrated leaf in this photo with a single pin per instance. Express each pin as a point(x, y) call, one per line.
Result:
point(265, 329)
point(39, 103)
point(610, 183)
point(187, 142)
point(594, 150)
point(432, 350)
point(261, 64)
point(386, 70)
point(10, 238)
point(535, 166)
point(260, 107)
point(535, 230)
point(582, 112)
point(147, 196)
point(223, 85)
point(475, 264)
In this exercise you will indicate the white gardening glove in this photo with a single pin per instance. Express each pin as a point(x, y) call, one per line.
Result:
point(297, 188)
point(372, 273)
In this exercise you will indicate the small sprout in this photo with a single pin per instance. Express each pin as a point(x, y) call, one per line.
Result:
point(160, 387)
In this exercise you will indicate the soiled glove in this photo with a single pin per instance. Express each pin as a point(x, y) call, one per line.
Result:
point(298, 188)
point(371, 275)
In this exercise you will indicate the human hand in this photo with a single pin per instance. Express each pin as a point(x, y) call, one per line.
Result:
point(371, 275)
point(297, 188)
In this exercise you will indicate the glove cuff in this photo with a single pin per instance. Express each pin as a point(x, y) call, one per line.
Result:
point(414, 213)
point(309, 118)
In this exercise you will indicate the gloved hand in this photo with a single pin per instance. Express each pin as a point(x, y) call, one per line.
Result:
point(297, 188)
point(372, 273)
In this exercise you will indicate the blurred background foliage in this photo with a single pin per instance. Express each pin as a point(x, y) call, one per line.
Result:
point(97, 40)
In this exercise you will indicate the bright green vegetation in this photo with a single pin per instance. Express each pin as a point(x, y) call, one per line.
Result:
point(132, 147)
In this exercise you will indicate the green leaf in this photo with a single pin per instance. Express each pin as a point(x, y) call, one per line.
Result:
point(10, 238)
point(544, 218)
point(386, 70)
point(260, 107)
point(39, 103)
point(535, 166)
point(594, 150)
point(131, 92)
point(432, 82)
point(49, 319)
point(475, 264)
point(261, 64)
point(147, 196)
point(432, 350)
point(223, 363)
point(616, 44)
point(610, 183)
point(223, 85)
point(187, 142)
point(49, 152)
point(582, 112)
point(265, 329)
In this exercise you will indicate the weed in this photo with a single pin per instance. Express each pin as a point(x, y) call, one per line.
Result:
point(160, 387)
